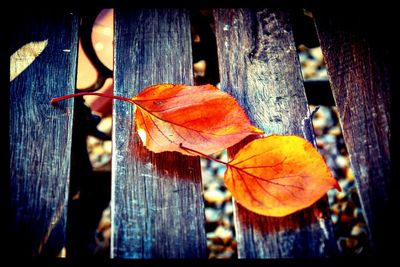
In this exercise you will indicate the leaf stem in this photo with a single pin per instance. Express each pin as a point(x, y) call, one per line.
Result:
point(130, 100)
point(204, 155)
point(57, 99)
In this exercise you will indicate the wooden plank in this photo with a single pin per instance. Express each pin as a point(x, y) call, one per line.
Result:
point(259, 67)
point(157, 206)
point(357, 56)
point(40, 134)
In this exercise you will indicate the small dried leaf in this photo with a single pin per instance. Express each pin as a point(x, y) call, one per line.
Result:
point(23, 57)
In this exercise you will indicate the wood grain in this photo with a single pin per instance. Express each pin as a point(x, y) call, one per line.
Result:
point(355, 48)
point(259, 67)
point(157, 205)
point(41, 134)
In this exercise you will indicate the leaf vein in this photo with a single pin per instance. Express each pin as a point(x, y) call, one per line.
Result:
point(249, 191)
point(268, 193)
point(171, 141)
point(145, 126)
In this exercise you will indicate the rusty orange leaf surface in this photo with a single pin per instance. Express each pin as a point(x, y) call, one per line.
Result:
point(278, 175)
point(203, 117)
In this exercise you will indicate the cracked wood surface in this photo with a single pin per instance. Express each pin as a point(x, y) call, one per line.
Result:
point(259, 66)
point(157, 206)
point(356, 50)
point(41, 134)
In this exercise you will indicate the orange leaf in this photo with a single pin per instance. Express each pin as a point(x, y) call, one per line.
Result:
point(204, 117)
point(278, 175)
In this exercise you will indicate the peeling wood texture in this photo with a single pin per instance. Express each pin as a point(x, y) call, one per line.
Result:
point(259, 66)
point(40, 134)
point(157, 205)
point(356, 51)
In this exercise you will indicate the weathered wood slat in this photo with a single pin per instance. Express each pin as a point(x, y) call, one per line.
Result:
point(259, 67)
point(157, 206)
point(40, 134)
point(356, 53)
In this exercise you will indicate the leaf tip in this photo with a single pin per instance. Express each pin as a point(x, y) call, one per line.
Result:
point(337, 186)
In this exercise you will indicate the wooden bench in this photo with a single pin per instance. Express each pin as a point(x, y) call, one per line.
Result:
point(156, 201)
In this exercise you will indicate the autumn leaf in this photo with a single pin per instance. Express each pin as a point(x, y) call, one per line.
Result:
point(278, 175)
point(202, 117)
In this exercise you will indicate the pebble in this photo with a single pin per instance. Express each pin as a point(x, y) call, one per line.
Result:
point(316, 53)
point(213, 185)
point(215, 165)
point(226, 254)
point(214, 196)
point(98, 150)
point(342, 161)
point(105, 125)
point(311, 64)
point(107, 146)
point(212, 215)
point(226, 221)
point(340, 195)
point(228, 209)
point(224, 233)
point(203, 162)
point(309, 72)
point(358, 229)
point(211, 236)
point(92, 141)
point(207, 177)
point(349, 175)
point(103, 160)
point(199, 68)
point(334, 218)
point(335, 130)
